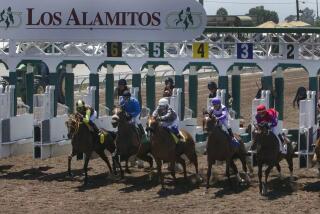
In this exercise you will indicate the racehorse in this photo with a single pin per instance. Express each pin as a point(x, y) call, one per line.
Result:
point(128, 141)
point(82, 141)
point(164, 148)
point(316, 156)
point(219, 148)
point(300, 95)
point(268, 152)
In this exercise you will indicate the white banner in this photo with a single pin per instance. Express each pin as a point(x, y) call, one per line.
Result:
point(101, 20)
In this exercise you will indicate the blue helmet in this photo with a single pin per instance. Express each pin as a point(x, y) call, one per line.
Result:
point(216, 101)
point(126, 93)
point(122, 82)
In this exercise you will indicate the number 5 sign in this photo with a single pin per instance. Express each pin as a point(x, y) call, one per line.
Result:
point(200, 50)
point(156, 49)
point(245, 51)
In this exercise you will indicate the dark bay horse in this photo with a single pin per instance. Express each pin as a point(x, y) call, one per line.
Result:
point(82, 142)
point(128, 141)
point(219, 148)
point(164, 148)
point(316, 156)
point(300, 95)
point(268, 153)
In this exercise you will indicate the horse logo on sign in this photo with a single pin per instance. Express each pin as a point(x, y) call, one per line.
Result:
point(184, 19)
point(8, 18)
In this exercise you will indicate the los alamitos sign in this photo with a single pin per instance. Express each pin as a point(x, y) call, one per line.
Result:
point(101, 20)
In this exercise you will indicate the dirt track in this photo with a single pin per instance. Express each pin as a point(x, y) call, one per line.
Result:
point(28, 186)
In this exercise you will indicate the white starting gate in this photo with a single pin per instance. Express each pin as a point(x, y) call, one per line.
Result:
point(15, 131)
point(50, 133)
point(307, 129)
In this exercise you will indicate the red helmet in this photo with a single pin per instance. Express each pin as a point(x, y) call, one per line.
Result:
point(261, 108)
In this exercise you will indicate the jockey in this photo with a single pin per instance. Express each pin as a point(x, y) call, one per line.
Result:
point(212, 87)
point(168, 117)
point(270, 116)
point(132, 107)
point(89, 115)
point(122, 87)
point(168, 89)
point(221, 113)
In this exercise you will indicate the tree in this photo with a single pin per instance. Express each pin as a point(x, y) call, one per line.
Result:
point(291, 18)
point(308, 16)
point(222, 11)
point(263, 15)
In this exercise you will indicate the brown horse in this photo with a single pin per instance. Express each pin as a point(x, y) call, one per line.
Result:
point(164, 148)
point(82, 141)
point(128, 141)
point(219, 148)
point(268, 153)
point(316, 156)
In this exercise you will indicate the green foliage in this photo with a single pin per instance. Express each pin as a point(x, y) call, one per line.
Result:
point(263, 15)
point(222, 12)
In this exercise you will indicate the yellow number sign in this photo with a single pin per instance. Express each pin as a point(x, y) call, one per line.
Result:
point(200, 50)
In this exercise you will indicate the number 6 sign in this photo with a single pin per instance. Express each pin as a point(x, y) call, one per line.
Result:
point(245, 51)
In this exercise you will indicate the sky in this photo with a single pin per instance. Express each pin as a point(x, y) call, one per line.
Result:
point(284, 8)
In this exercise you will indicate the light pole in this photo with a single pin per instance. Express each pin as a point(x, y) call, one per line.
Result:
point(317, 9)
point(298, 11)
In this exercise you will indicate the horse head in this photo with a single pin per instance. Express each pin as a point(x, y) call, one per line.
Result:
point(152, 125)
point(118, 116)
point(72, 125)
point(209, 122)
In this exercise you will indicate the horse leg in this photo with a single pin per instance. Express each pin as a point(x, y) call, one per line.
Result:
point(235, 169)
point(148, 159)
point(173, 171)
point(267, 172)
point(209, 173)
point(127, 166)
point(290, 164)
point(228, 162)
point(105, 158)
point(279, 170)
point(73, 153)
point(85, 167)
point(183, 163)
point(193, 159)
point(159, 167)
point(243, 160)
point(260, 177)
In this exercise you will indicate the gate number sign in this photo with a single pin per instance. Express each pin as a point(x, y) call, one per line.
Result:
point(156, 49)
point(114, 49)
point(200, 50)
point(245, 51)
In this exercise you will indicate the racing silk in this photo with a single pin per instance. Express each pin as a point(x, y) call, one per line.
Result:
point(271, 117)
point(169, 119)
point(221, 114)
point(132, 106)
point(212, 95)
point(88, 114)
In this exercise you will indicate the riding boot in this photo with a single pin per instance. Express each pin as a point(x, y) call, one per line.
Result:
point(282, 147)
point(230, 133)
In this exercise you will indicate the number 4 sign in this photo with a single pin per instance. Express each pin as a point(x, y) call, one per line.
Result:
point(200, 50)
point(245, 51)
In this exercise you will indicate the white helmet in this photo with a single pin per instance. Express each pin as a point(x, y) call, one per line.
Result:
point(163, 102)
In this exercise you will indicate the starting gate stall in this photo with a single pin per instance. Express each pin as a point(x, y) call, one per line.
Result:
point(265, 99)
point(15, 131)
point(307, 129)
point(50, 133)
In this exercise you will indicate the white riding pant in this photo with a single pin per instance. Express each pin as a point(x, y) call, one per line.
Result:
point(275, 130)
point(135, 120)
point(93, 116)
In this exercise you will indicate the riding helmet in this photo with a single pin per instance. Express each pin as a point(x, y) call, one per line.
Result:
point(212, 85)
point(163, 102)
point(216, 101)
point(80, 104)
point(122, 82)
point(169, 80)
point(126, 93)
point(261, 108)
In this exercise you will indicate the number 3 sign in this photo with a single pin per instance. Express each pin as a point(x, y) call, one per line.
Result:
point(245, 51)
